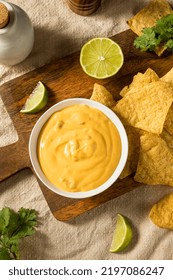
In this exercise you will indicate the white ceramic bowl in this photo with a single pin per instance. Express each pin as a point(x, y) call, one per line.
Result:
point(33, 146)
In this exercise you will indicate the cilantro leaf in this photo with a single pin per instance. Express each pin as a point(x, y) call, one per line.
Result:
point(13, 223)
point(147, 41)
point(4, 254)
point(4, 218)
point(28, 220)
point(164, 27)
point(169, 45)
point(159, 35)
point(14, 248)
point(13, 227)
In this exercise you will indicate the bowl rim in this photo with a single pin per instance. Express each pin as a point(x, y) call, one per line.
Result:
point(36, 131)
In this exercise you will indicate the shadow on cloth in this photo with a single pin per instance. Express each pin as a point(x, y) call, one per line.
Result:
point(50, 45)
point(34, 246)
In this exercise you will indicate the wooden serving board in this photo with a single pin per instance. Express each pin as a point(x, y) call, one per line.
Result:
point(64, 79)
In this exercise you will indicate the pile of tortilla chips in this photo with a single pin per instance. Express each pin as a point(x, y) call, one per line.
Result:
point(148, 16)
point(146, 111)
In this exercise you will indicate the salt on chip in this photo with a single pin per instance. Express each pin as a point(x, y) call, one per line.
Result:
point(155, 165)
point(147, 107)
point(139, 80)
point(102, 95)
point(161, 214)
point(148, 16)
point(133, 135)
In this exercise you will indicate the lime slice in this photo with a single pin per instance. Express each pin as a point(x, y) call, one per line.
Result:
point(37, 99)
point(101, 58)
point(122, 234)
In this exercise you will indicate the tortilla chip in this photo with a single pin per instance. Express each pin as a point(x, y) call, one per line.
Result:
point(155, 165)
point(148, 16)
point(150, 76)
point(161, 213)
point(139, 80)
point(168, 125)
point(168, 77)
point(102, 95)
point(147, 107)
point(135, 84)
point(133, 135)
point(124, 91)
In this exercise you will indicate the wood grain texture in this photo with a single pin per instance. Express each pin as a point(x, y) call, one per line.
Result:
point(64, 79)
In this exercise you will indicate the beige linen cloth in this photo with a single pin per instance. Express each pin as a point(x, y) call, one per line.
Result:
point(58, 32)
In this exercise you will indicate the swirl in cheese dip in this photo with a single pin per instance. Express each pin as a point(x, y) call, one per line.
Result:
point(78, 148)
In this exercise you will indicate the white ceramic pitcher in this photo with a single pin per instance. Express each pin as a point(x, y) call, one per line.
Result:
point(17, 37)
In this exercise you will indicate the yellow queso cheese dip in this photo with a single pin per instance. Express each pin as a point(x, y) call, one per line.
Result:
point(78, 148)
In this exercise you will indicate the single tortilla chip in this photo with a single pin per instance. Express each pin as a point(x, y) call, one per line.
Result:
point(147, 107)
point(148, 16)
point(168, 77)
point(133, 135)
point(102, 95)
point(139, 80)
point(168, 125)
point(155, 165)
point(161, 214)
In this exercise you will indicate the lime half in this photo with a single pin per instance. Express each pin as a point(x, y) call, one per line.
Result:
point(122, 235)
point(37, 99)
point(101, 58)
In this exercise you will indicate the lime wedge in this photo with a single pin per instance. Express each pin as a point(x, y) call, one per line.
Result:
point(101, 58)
point(37, 100)
point(122, 235)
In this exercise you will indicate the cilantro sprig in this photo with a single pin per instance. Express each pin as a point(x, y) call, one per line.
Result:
point(159, 35)
point(13, 227)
